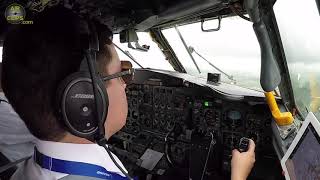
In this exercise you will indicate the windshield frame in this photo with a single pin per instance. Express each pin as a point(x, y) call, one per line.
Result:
point(157, 35)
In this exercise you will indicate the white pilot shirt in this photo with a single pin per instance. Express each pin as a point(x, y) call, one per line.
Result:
point(87, 153)
point(16, 141)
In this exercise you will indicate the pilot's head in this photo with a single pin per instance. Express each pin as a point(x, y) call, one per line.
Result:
point(37, 57)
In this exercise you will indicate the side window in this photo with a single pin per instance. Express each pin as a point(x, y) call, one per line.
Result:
point(300, 38)
point(154, 58)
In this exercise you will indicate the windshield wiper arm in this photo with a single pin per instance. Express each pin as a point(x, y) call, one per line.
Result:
point(191, 50)
point(127, 53)
point(186, 46)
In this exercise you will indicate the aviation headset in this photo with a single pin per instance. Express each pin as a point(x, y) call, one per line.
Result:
point(82, 99)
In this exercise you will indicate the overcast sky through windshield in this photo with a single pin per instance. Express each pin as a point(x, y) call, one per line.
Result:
point(234, 49)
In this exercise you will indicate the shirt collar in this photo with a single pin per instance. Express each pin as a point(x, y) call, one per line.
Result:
point(2, 96)
point(87, 153)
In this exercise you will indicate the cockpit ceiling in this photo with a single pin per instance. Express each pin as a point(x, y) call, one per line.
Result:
point(139, 14)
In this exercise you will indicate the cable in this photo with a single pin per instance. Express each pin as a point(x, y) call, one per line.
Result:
point(115, 162)
point(167, 148)
point(212, 143)
point(95, 91)
point(128, 55)
point(234, 10)
point(91, 57)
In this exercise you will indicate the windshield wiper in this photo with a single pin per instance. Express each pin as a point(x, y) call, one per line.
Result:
point(127, 53)
point(186, 46)
point(192, 50)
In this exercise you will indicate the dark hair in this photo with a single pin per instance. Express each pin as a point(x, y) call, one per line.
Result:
point(36, 58)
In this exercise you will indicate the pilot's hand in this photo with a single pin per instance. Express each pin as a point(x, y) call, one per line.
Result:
point(242, 163)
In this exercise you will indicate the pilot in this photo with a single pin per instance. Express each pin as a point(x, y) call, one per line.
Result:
point(36, 58)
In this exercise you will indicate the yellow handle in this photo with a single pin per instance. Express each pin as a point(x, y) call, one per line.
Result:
point(281, 119)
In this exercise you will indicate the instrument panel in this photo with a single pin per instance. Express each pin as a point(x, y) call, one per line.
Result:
point(181, 122)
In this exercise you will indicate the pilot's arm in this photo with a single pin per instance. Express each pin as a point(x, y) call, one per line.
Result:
point(242, 163)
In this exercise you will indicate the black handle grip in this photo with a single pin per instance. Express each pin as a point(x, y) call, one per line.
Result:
point(244, 144)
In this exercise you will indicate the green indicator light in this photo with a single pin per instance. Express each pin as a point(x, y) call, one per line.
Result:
point(206, 103)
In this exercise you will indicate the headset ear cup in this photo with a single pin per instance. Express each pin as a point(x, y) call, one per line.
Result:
point(76, 104)
point(61, 89)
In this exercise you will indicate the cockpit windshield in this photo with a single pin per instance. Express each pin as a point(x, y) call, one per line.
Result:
point(233, 51)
